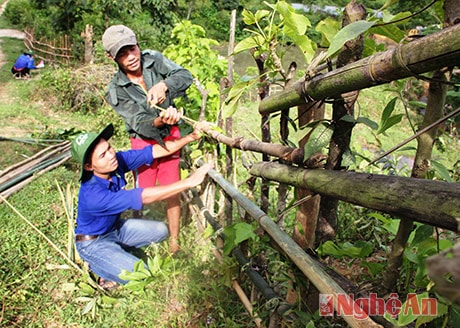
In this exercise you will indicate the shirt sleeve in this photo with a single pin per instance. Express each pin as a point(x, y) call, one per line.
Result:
point(177, 78)
point(114, 203)
point(31, 64)
point(138, 119)
point(132, 159)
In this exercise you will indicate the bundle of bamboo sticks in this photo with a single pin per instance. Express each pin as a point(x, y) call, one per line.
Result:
point(15, 177)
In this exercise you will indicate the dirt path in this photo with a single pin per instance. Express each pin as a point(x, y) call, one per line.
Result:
point(7, 33)
point(10, 130)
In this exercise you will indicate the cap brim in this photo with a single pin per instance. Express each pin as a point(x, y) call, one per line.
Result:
point(124, 43)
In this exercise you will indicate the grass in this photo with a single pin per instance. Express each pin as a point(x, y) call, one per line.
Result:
point(39, 288)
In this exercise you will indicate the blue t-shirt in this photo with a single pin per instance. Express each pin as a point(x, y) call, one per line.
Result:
point(24, 61)
point(100, 201)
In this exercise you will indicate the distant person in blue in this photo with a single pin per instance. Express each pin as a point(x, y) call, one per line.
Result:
point(23, 65)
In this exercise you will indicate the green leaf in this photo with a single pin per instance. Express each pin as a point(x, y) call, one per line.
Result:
point(234, 95)
point(366, 121)
point(243, 231)
point(423, 232)
point(208, 232)
point(229, 244)
point(372, 267)
point(109, 300)
point(390, 31)
point(358, 250)
point(442, 171)
point(406, 316)
point(390, 122)
point(248, 17)
point(151, 264)
point(126, 275)
point(348, 118)
point(319, 139)
point(410, 256)
point(306, 45)
point(349, 32)
point(248, 43)
point(389, 108)
point(237, 233)
point(138, 265)
point(89, 306)
point(261, 14)
point(417, 104)
point(387, 120)
point(442, 311)
point(136, 285)
point(294, 24)
point(86, 288)
point(328, 28)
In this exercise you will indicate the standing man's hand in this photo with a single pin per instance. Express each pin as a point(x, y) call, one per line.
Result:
point(170, 116)
point(157, 94)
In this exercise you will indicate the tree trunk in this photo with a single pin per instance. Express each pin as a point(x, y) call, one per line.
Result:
point(284, 133)
point(88, 37)
point(306, 216)
point(264, 88)
point(434, 111)
point(340, 141)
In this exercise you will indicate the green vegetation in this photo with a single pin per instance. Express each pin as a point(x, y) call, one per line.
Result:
point(41, 289)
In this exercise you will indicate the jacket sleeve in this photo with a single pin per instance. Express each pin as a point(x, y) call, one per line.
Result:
point(138, 119)
point(177, 78)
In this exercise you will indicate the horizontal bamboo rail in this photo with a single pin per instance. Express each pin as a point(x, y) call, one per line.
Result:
point(432, 202)
point(435, 51)
point(311, 269)
point(290, 154)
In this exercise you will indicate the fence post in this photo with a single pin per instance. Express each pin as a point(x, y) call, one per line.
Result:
point(88, 37)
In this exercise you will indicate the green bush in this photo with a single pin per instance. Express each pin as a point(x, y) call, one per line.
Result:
point(18, 12)
point(76, 90)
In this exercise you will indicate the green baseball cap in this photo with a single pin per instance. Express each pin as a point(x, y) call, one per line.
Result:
point(84, 143)
point(117, 37)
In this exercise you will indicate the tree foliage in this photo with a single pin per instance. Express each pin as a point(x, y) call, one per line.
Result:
point(191, 49)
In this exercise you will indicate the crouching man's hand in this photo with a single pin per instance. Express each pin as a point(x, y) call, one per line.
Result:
point(197, 177)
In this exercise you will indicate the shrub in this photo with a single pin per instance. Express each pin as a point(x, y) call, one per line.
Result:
point(77, 90)
point(18, 12)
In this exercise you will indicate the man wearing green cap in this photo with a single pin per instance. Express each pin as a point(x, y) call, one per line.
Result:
point(101, 235)
point(145, 81)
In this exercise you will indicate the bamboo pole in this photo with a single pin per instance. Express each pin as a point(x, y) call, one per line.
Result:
point(432, 202)
point(290, 154)
point(241, 294)
point(37, 168)
point(312, 270)
point(43, 154)
point(440, 49)
point(262, 286)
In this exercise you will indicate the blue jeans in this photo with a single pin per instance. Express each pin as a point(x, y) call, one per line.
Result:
point(106, 255)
